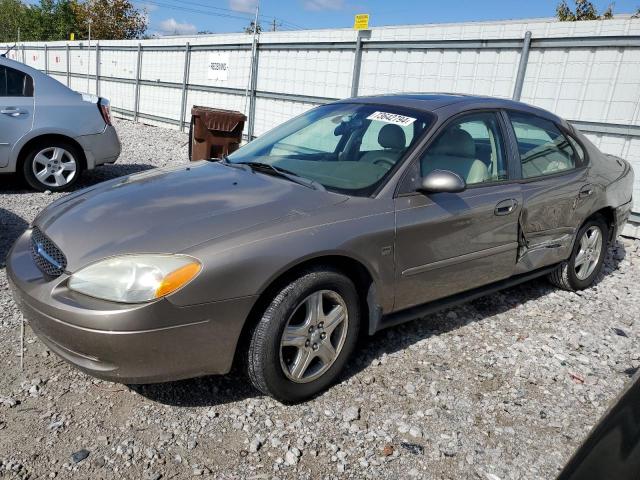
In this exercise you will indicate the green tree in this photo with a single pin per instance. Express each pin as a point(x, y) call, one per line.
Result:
point(251, 27)
point(564, 13)
point(12, 19)
point(51, 20)
point(584, 10)
point(110, 19)
point(56, 19)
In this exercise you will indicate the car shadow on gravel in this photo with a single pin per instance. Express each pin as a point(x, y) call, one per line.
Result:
point(199, 392)
point(14, 184)
point(11, 227)
point(217, 390)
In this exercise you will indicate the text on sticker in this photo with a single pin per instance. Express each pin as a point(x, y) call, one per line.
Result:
point(394, 118)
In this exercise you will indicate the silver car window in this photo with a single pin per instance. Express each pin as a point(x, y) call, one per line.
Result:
point(14, 83)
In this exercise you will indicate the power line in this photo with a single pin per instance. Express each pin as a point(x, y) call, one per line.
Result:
point(249, 14)
point(218, 12)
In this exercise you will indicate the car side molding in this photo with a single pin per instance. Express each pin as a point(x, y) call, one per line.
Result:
point(419, 311)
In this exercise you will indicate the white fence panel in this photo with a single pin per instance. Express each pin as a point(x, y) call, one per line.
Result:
point(580, 81)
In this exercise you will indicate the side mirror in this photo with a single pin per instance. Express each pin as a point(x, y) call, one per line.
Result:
point(442, 181)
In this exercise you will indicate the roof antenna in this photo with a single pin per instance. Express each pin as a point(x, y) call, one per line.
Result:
point(8, 50)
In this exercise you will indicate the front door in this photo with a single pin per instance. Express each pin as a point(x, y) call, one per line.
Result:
point(447, 243)
point(16, 109)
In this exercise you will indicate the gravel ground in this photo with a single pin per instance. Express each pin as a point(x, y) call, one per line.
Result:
point(505, 387)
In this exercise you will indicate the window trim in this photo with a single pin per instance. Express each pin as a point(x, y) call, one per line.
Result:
point(561, 129)
point(402, 191)
point(569, 133)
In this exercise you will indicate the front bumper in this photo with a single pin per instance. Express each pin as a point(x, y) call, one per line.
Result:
point(101, 148)
point(143, 343)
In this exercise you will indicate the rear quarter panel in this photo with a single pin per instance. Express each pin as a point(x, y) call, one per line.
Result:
point(58, 110)
point(613, 175)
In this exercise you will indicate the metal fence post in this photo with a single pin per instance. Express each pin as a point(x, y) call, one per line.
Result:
point(357, 61)
point(252, 91)
point(98, 69)
point(522, 67)
point(23, 57)
point(136, 101)
point(46, 60)
point(68, 66)
point(185, 84)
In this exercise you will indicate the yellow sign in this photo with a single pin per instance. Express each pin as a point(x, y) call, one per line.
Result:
point(361, 21)
point(72, 37)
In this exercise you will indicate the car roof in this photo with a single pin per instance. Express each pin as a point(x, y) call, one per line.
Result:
point(431, 102)
point(45, 84)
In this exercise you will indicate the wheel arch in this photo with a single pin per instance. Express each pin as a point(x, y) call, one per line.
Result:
point(609, 215)
point(352, 268)
point(43, 140)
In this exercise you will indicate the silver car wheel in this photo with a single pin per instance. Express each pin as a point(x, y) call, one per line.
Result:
point(314, 336)
point(588, 256)
point(54, 167)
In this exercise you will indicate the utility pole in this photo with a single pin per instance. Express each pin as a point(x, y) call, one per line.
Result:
point(274, 25)
point(89, 57)
point(253, 71)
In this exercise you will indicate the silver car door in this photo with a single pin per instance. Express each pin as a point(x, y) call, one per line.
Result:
point(16, 109)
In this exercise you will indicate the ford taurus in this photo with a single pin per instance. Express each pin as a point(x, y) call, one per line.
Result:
point(350, 218)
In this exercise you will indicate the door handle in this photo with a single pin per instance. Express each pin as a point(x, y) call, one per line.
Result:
point(505, 207)
point(12, 111)
point(586, 191)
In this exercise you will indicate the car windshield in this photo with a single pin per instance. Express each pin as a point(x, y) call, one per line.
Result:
point(346, 147)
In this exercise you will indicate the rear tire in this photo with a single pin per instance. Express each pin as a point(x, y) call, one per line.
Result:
point(54, 166)
point(585, 263)
point(305, 336)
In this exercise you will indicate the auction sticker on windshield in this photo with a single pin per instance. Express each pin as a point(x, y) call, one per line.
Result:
point(394, 118)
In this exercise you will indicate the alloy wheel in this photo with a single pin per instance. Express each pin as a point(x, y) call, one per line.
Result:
point(588, 256)
point(314, 336)
point(54, 167)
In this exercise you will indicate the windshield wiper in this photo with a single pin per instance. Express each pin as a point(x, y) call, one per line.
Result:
point(283, 173)
point(224, 160)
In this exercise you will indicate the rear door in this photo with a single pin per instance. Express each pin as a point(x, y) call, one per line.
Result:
point(16, 109)
point(450, 242)
point(555, 184)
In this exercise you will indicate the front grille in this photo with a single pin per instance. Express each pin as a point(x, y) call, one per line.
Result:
point(48, 257)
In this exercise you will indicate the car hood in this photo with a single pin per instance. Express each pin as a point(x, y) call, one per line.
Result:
point(170, 210)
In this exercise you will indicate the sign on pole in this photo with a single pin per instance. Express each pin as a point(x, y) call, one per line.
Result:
point(361, 21)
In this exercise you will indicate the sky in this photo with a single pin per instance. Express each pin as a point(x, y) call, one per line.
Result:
point(184, 17)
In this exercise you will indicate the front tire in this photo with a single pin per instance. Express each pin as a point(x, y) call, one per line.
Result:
point(305, 336)
point(587, 258)
point(54, 166)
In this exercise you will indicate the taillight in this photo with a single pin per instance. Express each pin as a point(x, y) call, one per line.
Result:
point(105, 110)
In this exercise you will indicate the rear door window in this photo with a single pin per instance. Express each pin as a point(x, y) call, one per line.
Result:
point(544, 149)
point(14, 83)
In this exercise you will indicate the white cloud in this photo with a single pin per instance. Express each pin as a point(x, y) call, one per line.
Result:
point(171, 27)
point(245, 6)
point(317, 5)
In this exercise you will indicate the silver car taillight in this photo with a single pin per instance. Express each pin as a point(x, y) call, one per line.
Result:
point(105, 110)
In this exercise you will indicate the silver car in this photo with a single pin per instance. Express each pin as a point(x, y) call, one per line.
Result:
point(49, 134)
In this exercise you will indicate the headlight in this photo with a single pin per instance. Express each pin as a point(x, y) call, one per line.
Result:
point(135, 278)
